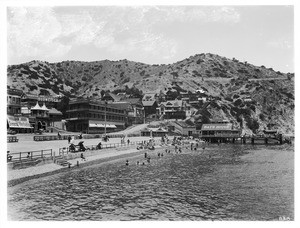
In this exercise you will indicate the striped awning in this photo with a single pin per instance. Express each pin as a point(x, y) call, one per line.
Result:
point(100, 124)
point(96, 125)
point(111, 126)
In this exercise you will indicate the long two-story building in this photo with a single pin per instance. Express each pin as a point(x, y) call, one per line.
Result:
point(91, 116)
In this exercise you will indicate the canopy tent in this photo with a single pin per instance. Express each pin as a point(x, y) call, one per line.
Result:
point(18, 122)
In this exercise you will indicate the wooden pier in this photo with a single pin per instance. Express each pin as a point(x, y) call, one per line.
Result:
point(243, 139)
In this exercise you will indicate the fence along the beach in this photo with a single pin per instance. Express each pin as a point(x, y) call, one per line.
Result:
point(65, 137)
point(21, 156)
point(104, 146)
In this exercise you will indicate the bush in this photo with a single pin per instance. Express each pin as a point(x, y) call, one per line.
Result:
point(236, 96)
point(175, 74)
point(229, 99)
point(142, 73)
point(32, 87)
point(262, 116)
point(252, 124)
point(199, 61)
point(238, 102)
point(44, 92)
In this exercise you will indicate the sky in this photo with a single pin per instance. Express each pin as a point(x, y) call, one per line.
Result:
point(260, 35)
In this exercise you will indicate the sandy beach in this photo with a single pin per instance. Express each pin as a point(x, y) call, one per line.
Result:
point(105, 155)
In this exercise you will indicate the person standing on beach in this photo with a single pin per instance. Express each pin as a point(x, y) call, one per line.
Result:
point(69, 139)
point(72, 140)
point(128, 141)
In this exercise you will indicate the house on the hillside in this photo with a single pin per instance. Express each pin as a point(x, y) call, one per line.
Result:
point(134, 109)
point(111, 97)
point(172, 94)
point(150, 97)
point(173, 109)
point(189, 110)
point(149, 107)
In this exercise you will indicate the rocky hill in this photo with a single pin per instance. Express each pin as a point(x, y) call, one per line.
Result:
point(229, 81)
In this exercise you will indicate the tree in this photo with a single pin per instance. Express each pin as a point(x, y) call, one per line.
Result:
point(63, 106)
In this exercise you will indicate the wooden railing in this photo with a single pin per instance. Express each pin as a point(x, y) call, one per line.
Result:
point(52, 137)
point(65, 137)
point(29, 155)
point(221, 136)
point(66, 150)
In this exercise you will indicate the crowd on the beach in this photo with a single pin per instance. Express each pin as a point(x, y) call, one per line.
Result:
point(178, 142)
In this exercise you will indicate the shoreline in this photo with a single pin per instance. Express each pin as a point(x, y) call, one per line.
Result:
point(106, 158)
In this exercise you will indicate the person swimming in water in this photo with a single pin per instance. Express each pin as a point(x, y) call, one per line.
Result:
point(127, 162)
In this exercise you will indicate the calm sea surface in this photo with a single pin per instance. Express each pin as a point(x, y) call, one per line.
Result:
point(226, 182)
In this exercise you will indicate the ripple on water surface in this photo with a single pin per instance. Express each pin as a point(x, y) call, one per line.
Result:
point(228, 185)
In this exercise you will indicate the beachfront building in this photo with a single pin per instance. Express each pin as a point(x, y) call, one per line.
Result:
point(154, 132)
point(19, 124)
point(14, 102)
point(91, 116)
point(29, 100)
point(41, 110)
point(183, 128)
point(55, 118)
point(217, 131)
point(32, 111)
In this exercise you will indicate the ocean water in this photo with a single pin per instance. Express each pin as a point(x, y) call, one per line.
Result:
point(225, 182)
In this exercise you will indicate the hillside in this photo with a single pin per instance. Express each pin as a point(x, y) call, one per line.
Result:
point(228, 80)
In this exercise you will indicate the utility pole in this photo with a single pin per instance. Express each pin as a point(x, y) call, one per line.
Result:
point(105, 118)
